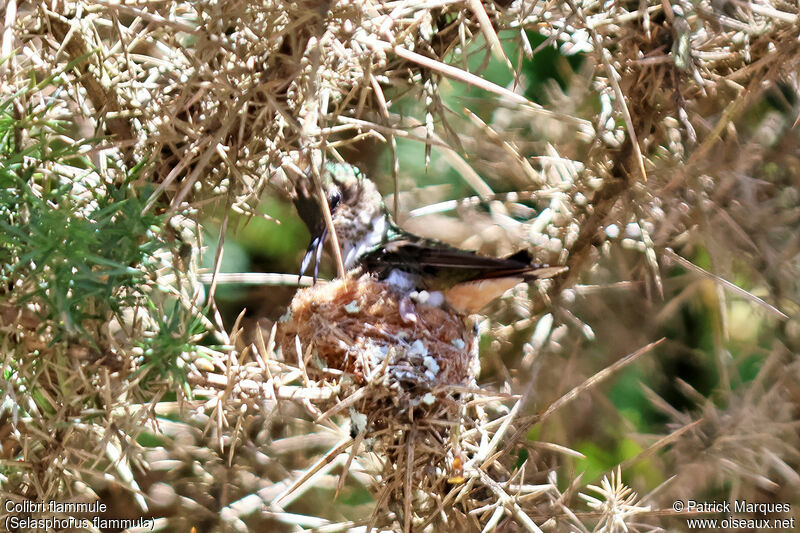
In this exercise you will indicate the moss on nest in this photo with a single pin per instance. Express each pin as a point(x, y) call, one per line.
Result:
point(355, 326)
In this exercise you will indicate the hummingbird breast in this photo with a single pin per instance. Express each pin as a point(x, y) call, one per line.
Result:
point(361, 224)
point(360, 240)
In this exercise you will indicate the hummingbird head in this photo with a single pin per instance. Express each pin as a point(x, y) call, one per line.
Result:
point(356, 209)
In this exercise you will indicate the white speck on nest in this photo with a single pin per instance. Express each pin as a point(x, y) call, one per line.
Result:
point(417, 348)
point(358, 420)
point(376, 352)
point(428, 399)
point(431, 364)
point(420, 297)
point(458, 343)
point(352, 308)
point(435, 299)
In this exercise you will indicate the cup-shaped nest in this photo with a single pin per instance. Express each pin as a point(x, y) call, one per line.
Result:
point(364, 328)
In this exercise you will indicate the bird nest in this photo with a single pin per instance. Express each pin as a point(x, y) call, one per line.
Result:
point(358, 329)
point(401, 368)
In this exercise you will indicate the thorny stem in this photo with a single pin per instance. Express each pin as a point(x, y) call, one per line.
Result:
point(105, 101)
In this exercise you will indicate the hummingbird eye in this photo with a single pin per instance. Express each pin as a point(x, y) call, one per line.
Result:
point(334, 200)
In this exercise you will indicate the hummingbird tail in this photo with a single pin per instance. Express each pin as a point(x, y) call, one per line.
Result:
point(543, 272)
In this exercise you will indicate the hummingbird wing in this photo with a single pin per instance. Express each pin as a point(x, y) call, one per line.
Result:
point(440, 266)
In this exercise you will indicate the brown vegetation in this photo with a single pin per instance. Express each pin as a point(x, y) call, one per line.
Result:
point(671, 144)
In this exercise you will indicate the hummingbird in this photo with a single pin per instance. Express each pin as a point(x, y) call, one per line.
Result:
point(425, 270)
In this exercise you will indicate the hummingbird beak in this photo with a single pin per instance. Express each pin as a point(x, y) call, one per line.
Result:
point(310, 212)
point(314, 251)
point(305, 200)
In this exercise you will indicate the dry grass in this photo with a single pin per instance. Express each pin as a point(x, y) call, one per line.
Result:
point(673, 140)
